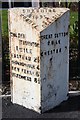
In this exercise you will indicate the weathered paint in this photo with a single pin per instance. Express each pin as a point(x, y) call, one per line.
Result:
point(39, 50)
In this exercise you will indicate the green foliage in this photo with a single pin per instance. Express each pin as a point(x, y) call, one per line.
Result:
point(5, 23)
point(73, 17)
point(74, 39)
point(74, 29)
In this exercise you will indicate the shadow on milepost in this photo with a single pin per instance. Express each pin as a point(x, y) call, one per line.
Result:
point(72, 104)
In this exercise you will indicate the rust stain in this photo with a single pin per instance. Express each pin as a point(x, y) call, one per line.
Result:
point(50, 69)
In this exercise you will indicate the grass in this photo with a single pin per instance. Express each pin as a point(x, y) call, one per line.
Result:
point(4, 23)
point(73, 18)
point(73, 30)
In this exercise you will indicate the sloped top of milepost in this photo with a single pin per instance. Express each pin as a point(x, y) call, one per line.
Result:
point(39, 18)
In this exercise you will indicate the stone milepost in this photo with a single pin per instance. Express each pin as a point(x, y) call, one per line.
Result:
point(39, 56)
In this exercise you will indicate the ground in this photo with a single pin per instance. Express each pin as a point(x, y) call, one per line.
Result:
point(67, 109)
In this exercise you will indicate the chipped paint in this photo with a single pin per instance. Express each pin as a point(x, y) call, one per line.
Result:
point(39, 56)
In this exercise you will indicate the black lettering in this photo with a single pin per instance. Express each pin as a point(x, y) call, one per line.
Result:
point(16, 47)
point(24, 42)
point(19, 76)
point(52, 42)
point(13, 34)
point(25, 71)
point(17, 56)
point(66, 33)
point(49, 10)
point(41, 16)
point(13, 74)
point(65, 47)
point(29, 78)
point(20, 56)
point(15, 68)
point(46, 36)
point(48, 42)
point(23, 35)
point(30, 51)
point(50, 36)
point(38, 67)
point(42, 10)
point(20, 49)
point(22, 70)
point(37, 45)
point(16, 75)
point(51, 51)
point(14, 55)
point(23, 57)
point(48, 52)
point(55, 35)
point(18, 69)
point(23, 77)
point(56, 50)
point(45, 53)
point(26, 50)
point(29, 58)
point(35, 80)
point(19, 35)
point(30, 21)
point(62, 34)
point(38, 80)
point(36, 59)
point(26, 58)
point(31, 43)
point(37, 74)
point(59, 34)
point(21, 63)
point(20, 42)
point(60, 50)
point(12, 68)
point(41, 53)
point(59, 41)
point(56, 42)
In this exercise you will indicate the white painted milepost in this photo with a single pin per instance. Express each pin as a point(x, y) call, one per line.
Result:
point(39, 56)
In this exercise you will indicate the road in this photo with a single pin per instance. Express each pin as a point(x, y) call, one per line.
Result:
point(67, 109)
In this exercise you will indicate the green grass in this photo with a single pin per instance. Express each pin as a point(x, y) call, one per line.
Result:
point(73, 18)
point(4, 23)
point(73, 31)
